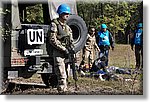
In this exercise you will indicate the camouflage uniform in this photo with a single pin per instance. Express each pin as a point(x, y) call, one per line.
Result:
point(58, 51)
point(88, 49)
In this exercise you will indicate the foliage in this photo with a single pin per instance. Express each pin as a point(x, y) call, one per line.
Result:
point(4, 31)
point(119, 16)
point(35, 14)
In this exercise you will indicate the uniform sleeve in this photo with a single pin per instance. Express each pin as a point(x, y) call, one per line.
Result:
point(53, 38)
point(86, 46)
point(95, 44)
point(111, 39)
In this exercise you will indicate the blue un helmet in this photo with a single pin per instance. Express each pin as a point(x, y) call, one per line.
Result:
point(63, 8)
point(140, 25)
point(103, 26)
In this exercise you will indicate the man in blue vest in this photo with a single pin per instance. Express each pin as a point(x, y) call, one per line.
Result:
point(137, 40)
point(105, 40)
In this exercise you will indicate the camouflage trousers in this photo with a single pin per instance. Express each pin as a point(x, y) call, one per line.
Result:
point(59, 68)
point(139, 56)
point(88, 57)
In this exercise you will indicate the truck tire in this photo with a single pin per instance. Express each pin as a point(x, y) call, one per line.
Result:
point(79, 30)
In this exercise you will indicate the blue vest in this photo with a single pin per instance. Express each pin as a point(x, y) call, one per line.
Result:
point(137, 39)
point(104, 38)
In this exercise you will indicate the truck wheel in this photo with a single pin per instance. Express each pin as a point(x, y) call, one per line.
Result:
point(49, 79)
point(79, 30)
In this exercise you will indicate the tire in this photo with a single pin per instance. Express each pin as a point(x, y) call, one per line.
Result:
point(79, 30)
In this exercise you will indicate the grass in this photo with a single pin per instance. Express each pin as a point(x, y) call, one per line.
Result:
point(122, 56)
point(97, 87)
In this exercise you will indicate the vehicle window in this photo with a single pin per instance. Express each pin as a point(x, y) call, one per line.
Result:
point(32, 14)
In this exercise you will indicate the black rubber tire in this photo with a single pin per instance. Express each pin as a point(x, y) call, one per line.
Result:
point(79, 30)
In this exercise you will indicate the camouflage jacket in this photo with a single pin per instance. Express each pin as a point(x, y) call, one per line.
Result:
point(91, 43)
point(55, 37)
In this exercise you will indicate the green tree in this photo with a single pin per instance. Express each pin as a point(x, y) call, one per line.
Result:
point(120, 16)
point(34, 14)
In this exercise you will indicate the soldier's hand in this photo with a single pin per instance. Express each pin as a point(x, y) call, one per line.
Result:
point(98, 50)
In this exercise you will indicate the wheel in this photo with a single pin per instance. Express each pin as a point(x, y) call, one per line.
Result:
point(79, 30)
point(49, 79)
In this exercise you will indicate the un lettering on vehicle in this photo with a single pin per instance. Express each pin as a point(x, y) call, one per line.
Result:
point(35, 36)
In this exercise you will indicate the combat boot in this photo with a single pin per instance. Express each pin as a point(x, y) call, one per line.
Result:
point(62, 86)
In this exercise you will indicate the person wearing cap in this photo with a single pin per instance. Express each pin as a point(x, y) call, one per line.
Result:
point(58, 31)
point(105, 40)
point(137, 40)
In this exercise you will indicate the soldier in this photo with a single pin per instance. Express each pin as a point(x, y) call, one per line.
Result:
point(137, 40)
point(59, 30)
point(89, 47)
point(105, 41)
